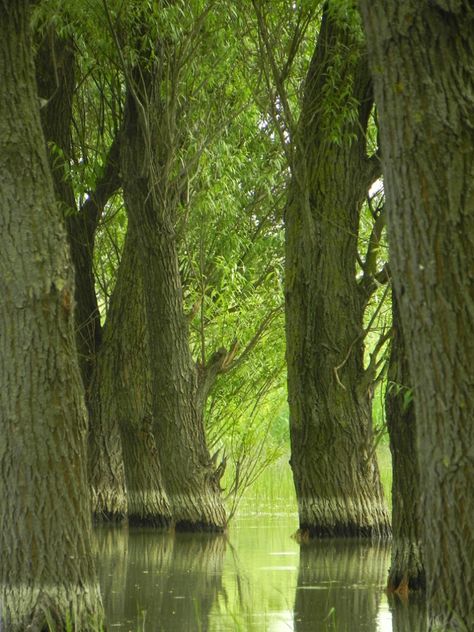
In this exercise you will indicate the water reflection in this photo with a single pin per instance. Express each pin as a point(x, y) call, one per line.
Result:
point(340, 586)
point(154, 581)
point(258, 580)
point(408, 616)
point(194, 581)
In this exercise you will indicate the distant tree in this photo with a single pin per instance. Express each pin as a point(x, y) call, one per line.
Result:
point(153, 180)
point(57, 69)
point(421, 58)
point(123, 403)
point(47, 570)
point(406, 569)
point(329, 389)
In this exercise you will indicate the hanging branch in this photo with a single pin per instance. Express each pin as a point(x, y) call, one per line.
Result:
point(361, 336)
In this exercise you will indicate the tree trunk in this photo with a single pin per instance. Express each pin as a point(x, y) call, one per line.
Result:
point(334, 465)
point(47, 569)
point(422, 64)
point(406, 570)
point(123, 389)
point(190, 480)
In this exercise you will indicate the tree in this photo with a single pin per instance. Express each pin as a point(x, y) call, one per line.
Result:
point(421, 59)
point(152, 185)
point(406, 570)
point(122, 402)
point(47, 569)
point(329, 390)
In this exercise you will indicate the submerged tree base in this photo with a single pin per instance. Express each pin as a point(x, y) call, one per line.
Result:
point(155, 521)
point(306, 533)
point(117, 517)
point(199, 527)
point(51, 608)
point(407, 573)
point(402, 585)
point(110, 504)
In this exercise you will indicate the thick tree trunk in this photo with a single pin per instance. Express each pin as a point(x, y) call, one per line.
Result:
point(123, 396)
point(189, 476)
point(334, 466)
point(46, 564)
point(422, 64)
point(406, 571)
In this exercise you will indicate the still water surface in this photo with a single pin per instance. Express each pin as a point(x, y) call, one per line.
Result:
point(255, 579)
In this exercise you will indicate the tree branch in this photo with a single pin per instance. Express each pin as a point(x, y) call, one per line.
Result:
point(231, 363)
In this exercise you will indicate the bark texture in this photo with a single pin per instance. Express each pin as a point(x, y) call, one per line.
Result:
point(191, 480)
point(406, 571)
point(421, 56)
point(45, 536)
point(334, 466)
point(123, 399)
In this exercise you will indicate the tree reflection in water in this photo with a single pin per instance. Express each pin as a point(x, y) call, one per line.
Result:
point(408, 615)
point(340, 586)
point(159, 581)
point(155, 581)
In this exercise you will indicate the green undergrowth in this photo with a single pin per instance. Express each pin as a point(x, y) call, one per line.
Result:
point(273, 492)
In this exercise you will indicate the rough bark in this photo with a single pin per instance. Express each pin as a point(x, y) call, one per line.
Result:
point(123, 397)
point(334, 466)
point(339, 586)
point(421, 56)
point(190, 478)
point(406, 571)
point(46, 564)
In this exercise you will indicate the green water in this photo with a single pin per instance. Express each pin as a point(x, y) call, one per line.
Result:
point(255, 579)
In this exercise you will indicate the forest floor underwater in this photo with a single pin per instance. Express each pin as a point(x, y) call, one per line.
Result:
point(255, 578)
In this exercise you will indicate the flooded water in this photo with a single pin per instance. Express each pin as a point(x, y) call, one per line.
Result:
point(257, 578)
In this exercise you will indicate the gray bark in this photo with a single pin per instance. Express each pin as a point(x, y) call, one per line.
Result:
point(123, 394)
point(334, 465)
point(421, 56)
point(150, 193)
point(406, 570)
point(46, 565)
